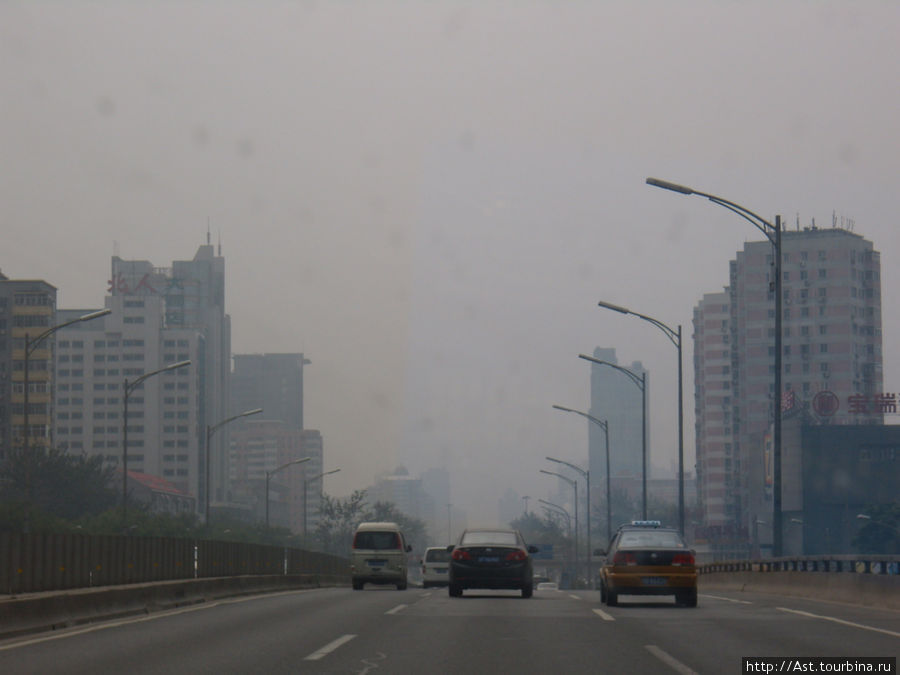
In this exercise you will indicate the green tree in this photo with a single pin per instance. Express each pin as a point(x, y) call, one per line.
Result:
point(338, 519)
point(413, 529)
point(52, 482)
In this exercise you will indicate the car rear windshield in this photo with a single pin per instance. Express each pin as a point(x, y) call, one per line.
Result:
point(651, 539)
point(506, 538)
point(377, 541)
point(437, 555)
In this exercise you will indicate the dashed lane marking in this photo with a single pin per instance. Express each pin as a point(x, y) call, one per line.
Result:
point(330, 647)
point(669, 660)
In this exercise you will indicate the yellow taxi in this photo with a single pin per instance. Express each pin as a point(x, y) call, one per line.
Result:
point(645, 558)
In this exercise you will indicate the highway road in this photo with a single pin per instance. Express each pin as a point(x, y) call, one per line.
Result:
point(381, 630)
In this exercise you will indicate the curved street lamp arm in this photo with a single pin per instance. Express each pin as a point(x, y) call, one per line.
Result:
point(327, 473)
point(758, 221)
point(639, 381)
point(33, 343)
point(673, 335)
point(287, 464)
point(571, 466)
point(570, 481)
point(172, 366)
point(601, 423)
point(246, 413)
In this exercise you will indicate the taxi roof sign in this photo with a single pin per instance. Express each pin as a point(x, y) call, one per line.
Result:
point(646, 523)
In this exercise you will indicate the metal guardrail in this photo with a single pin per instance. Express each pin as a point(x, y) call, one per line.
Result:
point(46, 562)
point(850, 564)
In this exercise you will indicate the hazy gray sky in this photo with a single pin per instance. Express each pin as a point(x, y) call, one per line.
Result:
point(429, 198)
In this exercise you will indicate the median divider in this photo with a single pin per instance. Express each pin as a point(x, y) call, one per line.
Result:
point(55, 610)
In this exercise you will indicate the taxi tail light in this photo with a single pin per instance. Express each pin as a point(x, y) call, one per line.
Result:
point(516, 556)
point(460, 554)
point(624, 558)
point(683, 559)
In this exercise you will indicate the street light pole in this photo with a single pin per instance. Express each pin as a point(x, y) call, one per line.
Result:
point(126, 391)
point(32, 345)
point(560, 509)
point(773, 234)
point(269, 475)
point(574, 484)
point(587, 478)
point(305, 498)
point(641, 383)
point(603, 424)
point(675, 338)
point(210, 430)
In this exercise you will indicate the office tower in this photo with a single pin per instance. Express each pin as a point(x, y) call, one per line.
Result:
point(616, 399)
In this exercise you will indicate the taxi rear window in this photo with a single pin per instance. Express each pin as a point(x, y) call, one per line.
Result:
point(650, 539)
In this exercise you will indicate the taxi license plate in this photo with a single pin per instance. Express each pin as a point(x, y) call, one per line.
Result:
point(376, 563)
point(488, 559)
point(654, 581)
point(440, 570)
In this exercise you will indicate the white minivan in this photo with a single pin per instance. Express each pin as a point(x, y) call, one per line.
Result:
point(436, 567)
point(378, 556)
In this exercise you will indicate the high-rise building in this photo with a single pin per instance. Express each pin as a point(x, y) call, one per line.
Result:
point(832, 355)
point(159, 316)
point(273, 382)
point(617, 399)
point(95, 362)
point(27, 309)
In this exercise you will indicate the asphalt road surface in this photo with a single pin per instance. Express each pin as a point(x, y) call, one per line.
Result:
point(382, 630)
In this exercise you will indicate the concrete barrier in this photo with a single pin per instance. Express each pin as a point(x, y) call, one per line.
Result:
point(870, 590)
point(39, 612)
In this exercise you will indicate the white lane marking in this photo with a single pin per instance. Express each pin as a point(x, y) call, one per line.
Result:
point(603, 615)
point(330, 647)
point(574, 597)
point(836, 620)
point(398, 608)
point(670, 661)
point(162, 614)
point(719, 597)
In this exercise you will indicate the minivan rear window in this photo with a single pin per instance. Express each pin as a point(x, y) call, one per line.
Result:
point(377, 541)
point(437, 555)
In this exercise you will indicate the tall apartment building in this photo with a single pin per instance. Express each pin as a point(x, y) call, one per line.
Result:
point(159, 316)
point(94, 362)
point(617, 399)
point(718, 464)
point(832, 355)
point(27, 309)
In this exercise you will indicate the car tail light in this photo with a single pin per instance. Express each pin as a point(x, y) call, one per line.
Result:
point(460, 554)
point(683, 559)
point(624, 558)
point(516, 556)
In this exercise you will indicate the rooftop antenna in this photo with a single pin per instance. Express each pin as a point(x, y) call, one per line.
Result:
point(798, 221)
point(833, 218)
point(220, 243)
point(207, 230)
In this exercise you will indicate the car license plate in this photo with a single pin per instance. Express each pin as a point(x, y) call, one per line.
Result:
point(440, 570)
point(654, 581)
point(488, 559)
point(376, 563)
